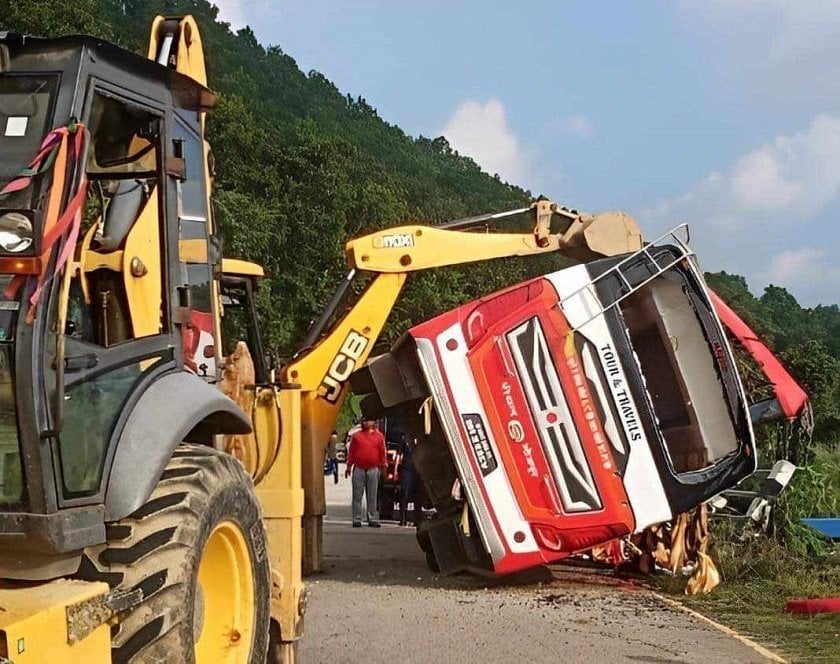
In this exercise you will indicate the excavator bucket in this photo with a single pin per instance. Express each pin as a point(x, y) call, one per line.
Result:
point(605, 234)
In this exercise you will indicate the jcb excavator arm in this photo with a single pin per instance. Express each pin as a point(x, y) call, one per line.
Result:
point(324, 366)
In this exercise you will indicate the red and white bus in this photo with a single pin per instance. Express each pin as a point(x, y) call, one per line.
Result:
point(568, 410)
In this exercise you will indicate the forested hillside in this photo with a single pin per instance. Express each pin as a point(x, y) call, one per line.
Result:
point(303, 166)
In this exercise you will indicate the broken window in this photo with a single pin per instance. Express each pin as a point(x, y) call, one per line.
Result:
point(117, 294)
point(681, 373)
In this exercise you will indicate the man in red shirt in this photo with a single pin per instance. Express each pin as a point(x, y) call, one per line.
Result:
point(364, 460)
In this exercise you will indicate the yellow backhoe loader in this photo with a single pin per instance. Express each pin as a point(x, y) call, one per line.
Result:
point(158, 483)
point(128, 531)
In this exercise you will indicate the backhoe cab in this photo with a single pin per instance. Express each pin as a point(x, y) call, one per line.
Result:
point(112, 318)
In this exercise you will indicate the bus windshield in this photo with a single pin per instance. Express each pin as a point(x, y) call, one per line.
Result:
point(681, 373)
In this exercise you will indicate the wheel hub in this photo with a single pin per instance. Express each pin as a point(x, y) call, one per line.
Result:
point(223, 621)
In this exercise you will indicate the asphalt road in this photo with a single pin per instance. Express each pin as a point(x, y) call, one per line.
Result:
point(377, 601)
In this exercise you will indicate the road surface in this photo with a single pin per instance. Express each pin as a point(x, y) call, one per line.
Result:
point(377, 601)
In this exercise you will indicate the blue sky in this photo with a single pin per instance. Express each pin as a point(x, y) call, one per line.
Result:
point(722, 113)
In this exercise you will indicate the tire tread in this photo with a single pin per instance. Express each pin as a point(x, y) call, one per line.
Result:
point(153, 550)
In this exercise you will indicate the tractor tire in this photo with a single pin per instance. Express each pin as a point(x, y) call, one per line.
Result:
point(197, 550)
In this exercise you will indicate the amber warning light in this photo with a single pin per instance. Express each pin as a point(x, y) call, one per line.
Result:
point(20, 265)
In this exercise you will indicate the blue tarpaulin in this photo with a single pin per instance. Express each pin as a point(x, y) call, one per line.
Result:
point(830, 527)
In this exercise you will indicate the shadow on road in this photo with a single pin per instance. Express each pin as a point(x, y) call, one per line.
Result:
point(390, 556)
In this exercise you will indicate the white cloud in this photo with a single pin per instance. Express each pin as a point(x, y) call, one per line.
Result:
point(266, 18)
point(790, 178)
point(232, 11)
point(481, 131)
point(791, 26)
point(765, 204)
point(784, 49)
point(807, 270)
point(795, 265)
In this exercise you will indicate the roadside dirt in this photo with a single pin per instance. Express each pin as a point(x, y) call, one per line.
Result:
point(378, 602)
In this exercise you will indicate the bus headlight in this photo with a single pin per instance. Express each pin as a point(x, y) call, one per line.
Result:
point(15, 233)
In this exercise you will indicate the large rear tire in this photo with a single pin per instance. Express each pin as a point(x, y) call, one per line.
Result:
point(197, 551)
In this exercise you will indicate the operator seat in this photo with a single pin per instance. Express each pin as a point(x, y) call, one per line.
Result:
point(123, 210)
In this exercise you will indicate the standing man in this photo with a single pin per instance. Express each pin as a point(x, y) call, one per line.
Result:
point(332, 458)
point(366, 457)
point(409, 481)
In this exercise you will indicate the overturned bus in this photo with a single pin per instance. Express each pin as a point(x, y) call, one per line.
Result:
point(568, 410)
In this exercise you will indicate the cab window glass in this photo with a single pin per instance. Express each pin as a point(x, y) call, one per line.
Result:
point(123, 137)
point(236, 317)
point(199, 333)
point(193, 190)
point(25, 107)
point(11, 470)
point(240, 323)
point(92, 408)
point(116, 296)
point(199, 278)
